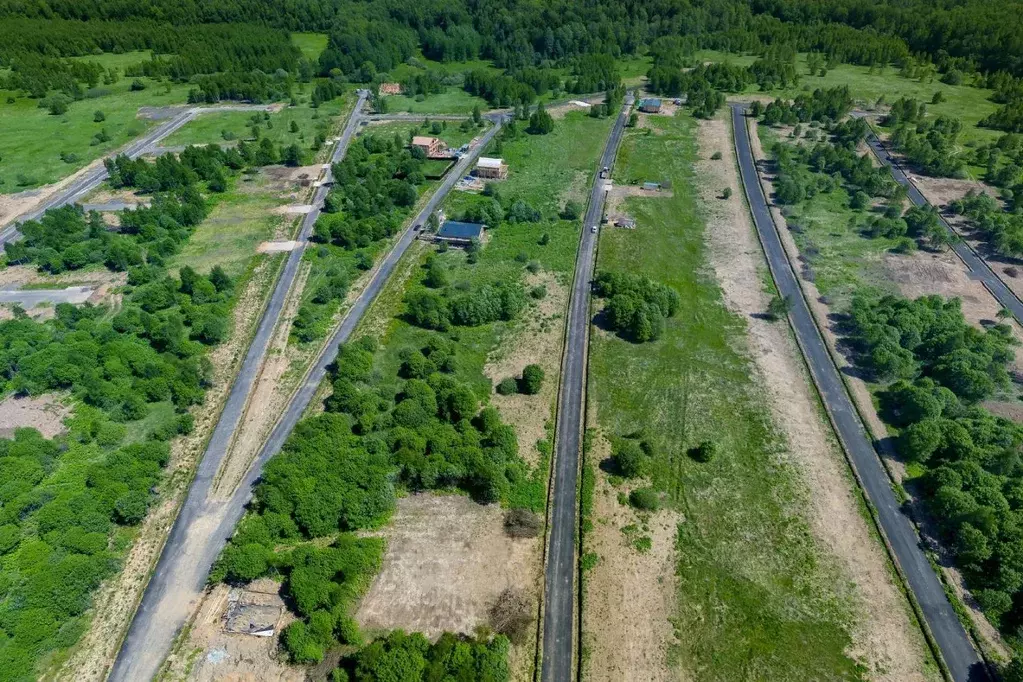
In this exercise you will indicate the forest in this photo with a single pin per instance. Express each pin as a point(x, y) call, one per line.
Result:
point(935, 369)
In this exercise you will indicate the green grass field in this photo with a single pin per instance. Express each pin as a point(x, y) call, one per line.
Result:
point(843, 261)
point(866, 86)
point(450, 133)
point(311, 44)
point(757, 597)
point(451, 101)
point(32, 140)
point(212, 127)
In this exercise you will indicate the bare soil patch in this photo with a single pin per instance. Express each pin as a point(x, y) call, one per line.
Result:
point(211, 653)
point(538, 340)
point(619, 193)
point(45, 413)
point(448, 561)
point(943, 191)
point(629, 596)
point(561, 110)
point(286, 179)
point(885, 637)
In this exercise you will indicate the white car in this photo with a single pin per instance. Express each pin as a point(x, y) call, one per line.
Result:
point(593, 229)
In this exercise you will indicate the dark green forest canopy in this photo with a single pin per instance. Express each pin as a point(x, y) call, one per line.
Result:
point(987, 34)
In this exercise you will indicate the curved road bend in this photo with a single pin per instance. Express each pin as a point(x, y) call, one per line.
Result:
point(204, 525)
point(977, 266)
point(559, 600)
point(90, 180)
point(956, 648)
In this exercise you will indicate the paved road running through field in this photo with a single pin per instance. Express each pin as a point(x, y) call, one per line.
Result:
point(204, 524)
point(559, 662)
point(956, 648)
point(92, 179)
point(977, 266)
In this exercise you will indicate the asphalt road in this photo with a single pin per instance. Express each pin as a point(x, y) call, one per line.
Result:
point(204, 524)
point(29, 298)
point(977, 266)
point(559, 619)
point(957, 650)
point(90, 180)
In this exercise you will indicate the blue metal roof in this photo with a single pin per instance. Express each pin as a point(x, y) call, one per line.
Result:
point(650, 102)
point(453, 229)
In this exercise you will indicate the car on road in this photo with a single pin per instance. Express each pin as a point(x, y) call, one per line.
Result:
point(593, 229)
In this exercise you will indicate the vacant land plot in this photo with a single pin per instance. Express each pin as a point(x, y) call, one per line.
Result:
point(311, 44)
point(448, 560)
point(299, 125)
point(759, 596)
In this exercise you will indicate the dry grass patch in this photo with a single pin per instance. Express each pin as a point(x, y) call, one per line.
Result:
point(447, 565)
point(538, 340)
point(886, 636)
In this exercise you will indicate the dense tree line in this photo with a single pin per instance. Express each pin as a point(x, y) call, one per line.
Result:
point(637, 307)
point(36, 50)
point(936, 368)
point(375, 187)
point(823, 105)
point(412, 658)
point(931, 145)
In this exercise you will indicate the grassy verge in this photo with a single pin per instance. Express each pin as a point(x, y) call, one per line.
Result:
point(755, 593)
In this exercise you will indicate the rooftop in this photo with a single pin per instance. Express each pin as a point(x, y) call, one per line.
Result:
point(489, 162)
point(423, 140)
point(650, 102)
point(453, 229)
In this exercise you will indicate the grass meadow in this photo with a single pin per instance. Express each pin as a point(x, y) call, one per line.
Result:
point(755, 592)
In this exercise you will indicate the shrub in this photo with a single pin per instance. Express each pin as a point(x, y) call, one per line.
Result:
point(532, 379)
point(522, 523)
point(704, 452)
point(573, 209)
point(99, 117)
point(508, 386)
point(512, 615)
point(726, 193)
point(716, 156)
point(645, 499)
point(627, 457)
point(778, 307)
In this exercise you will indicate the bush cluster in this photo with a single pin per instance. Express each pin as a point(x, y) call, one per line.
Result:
point(937, 368)
point(637, 306)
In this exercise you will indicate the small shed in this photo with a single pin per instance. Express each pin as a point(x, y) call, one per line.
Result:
point(652, 186)
point(650, 105)
point(457, 232)
point(491, 169)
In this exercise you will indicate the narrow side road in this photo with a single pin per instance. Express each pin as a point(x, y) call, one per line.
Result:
point(205, 524)
point(559, 662)
point(956, 648)
point(978, 267)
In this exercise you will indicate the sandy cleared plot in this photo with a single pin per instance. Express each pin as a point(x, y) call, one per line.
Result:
point(448, 560)
point(885, 638)
point(45, 413)
point(538, 340)
point(210, 654)
point(13, 205)
point(629, 596)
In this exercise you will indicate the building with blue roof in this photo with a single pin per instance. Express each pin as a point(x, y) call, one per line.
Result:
point(458, 232)
point(650, 105)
